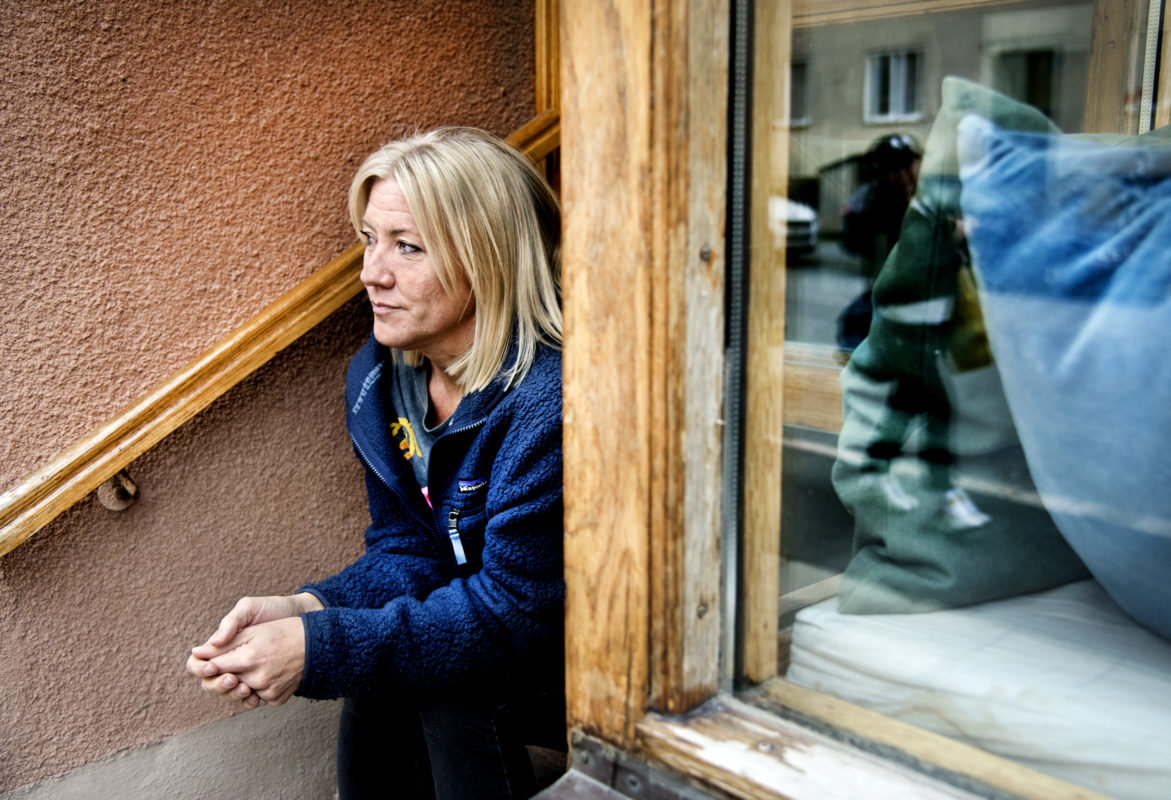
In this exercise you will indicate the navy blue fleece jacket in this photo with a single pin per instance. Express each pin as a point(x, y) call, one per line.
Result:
point(405, 614)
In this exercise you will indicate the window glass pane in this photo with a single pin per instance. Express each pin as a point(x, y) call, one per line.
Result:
point(881, 68)
point(798, 94)
point(911, 84)
point(979, 543)
point(894, 87)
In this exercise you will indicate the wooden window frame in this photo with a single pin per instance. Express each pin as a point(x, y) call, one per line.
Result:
point(644, 171)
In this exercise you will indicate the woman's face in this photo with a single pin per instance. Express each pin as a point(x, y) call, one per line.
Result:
point(411, 310)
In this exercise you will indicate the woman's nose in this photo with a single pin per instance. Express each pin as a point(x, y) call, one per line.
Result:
point(375, 270)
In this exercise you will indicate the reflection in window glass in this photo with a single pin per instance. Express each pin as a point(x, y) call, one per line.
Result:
point(798, 94)
point(893, 81)
point(981, 544)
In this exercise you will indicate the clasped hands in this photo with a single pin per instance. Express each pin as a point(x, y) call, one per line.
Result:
point(257, 652)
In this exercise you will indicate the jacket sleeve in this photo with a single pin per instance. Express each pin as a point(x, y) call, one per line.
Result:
point(400, 559)
point(504, 619)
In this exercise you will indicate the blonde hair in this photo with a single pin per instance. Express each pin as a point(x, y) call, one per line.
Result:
point(483, 212)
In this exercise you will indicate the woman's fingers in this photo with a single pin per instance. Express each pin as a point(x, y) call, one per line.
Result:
point(243, 614)
point(259, 663)
point(200, 667)
point(213, 649)
point(227, 685)
point(206, 652)
point(222, 684)
point(215, 681)
point(269, 659)
point(250, 611)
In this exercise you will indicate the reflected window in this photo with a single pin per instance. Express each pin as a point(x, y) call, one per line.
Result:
point(1028, 75)
point(799, 110)
point(893, 89)
point(1038, 56)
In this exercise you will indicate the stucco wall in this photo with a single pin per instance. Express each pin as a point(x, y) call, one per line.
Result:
point(171, 167)
point(215, 762)
point(168, 170)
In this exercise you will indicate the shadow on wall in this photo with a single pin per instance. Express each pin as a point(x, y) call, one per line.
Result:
point(259, 493)
point(285, 752)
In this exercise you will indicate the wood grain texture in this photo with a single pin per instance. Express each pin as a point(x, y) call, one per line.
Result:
point(813, 389)
point(548, 55)
point(807, 13)
point(538, 137)
point(766, 388)
point(752, 753)
point(915, 744)
point(76, 472)
point(691, 75)
point(606, 253)
point(1117, 49)
point(643, 154)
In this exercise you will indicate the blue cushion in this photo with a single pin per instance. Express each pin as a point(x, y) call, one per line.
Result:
point(1071, 245)
point(908, 561)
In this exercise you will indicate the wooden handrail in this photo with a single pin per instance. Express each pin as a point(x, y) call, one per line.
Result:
point(76, 472)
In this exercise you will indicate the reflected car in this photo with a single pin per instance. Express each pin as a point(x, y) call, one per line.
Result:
point(793, 225)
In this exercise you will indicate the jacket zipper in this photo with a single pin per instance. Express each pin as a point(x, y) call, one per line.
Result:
point(457, 546)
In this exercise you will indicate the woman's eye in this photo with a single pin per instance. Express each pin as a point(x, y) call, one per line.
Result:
point(407, 247)
point(367, 238)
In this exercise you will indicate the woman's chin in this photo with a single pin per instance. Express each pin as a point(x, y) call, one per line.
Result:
point(390, 338)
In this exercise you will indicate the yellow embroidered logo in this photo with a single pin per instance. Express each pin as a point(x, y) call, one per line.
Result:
point(406, 438)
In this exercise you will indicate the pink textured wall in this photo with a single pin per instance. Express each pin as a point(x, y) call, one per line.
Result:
point(170, 168)
point(255, 496)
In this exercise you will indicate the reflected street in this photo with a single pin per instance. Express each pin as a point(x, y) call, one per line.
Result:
point(818, 287)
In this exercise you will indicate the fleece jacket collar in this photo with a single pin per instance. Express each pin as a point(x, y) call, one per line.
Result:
point(366, 417)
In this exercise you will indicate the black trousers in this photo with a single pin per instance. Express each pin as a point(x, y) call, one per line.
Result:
point(445, 746)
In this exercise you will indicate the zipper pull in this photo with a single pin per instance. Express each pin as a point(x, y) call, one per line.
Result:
point(453, 534)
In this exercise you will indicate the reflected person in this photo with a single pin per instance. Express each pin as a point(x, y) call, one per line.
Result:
point(873, 216)
point(873, 219)
point(896, 401)
point(445, 637)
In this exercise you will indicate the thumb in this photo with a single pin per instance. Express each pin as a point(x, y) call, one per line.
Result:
point(208, 651)
point(240, 617)
point(215, 646)
point(223, 634)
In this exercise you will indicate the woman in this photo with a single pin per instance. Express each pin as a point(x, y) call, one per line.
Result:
point(450, 625)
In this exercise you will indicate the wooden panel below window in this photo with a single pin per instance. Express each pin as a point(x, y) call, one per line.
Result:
point(813, 392)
